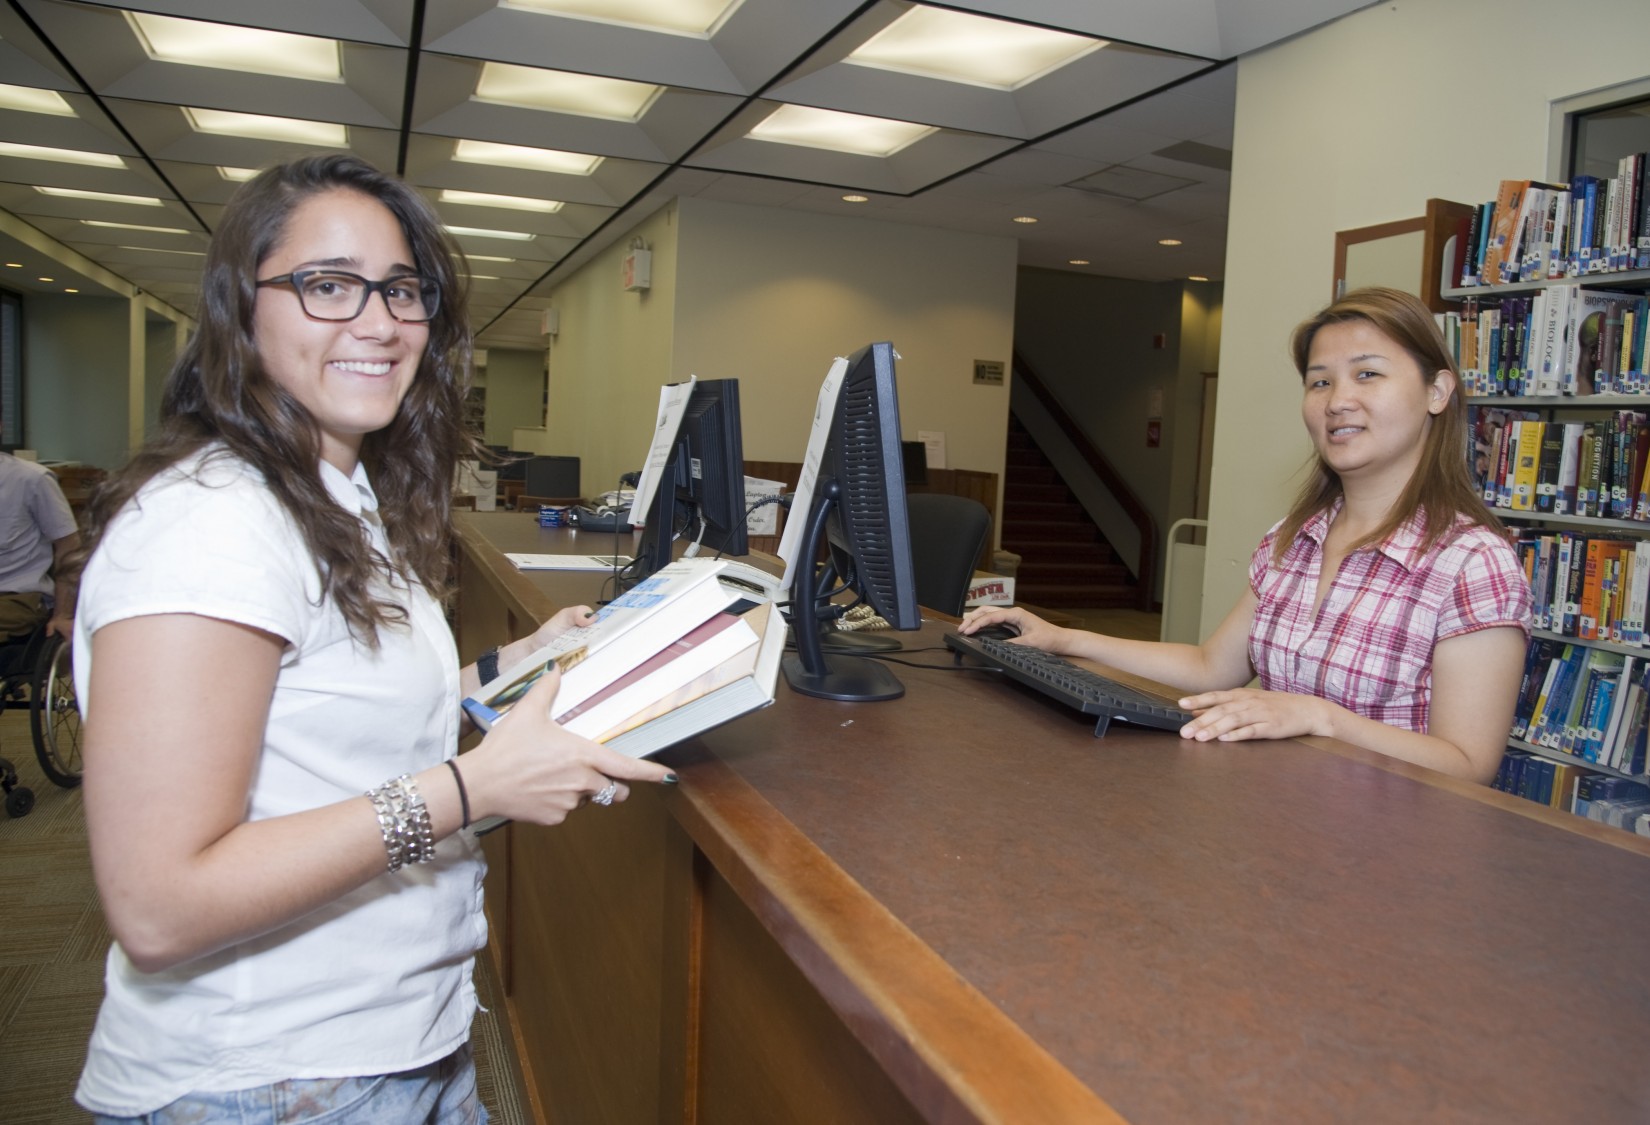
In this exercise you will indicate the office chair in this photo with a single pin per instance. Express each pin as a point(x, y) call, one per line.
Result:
point(947, 535)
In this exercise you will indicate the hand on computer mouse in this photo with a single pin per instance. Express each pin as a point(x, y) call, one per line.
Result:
point(1006, 622)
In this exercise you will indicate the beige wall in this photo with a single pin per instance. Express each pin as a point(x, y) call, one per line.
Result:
point(1357, 123)
point(611, 354)
point(770, 297)
point(515, 392)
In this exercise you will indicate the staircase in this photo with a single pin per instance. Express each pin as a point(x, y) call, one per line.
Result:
point(1064, 560)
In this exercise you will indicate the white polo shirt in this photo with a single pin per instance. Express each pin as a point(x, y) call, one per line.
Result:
point(376, 982)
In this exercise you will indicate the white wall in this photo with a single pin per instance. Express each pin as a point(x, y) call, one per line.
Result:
point(770, 297)
point(1357, 123)
point(515, 392)
point(77, 363)
point(611, 355)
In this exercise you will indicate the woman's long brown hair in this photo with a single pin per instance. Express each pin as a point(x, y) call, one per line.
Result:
point(219, 392)
point(1441, 487)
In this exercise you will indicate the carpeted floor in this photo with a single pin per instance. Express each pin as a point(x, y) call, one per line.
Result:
point(52, 945)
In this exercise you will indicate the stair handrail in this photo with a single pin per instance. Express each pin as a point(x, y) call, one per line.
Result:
point(1145, 574)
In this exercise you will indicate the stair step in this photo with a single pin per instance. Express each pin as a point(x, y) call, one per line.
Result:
point(1098, 553)
point(1067, 572)
point(1048, 531)
point(1059, 509)
point(1031, 474)
point(1055, 597)
point(1017, 494)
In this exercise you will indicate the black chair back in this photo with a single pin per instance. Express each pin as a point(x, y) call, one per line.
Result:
point(947, 536)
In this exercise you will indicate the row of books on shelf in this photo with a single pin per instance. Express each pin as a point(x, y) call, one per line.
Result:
point(1616, 801)
point(1589, 703)
point(1597, 467)
point(1565, 340)
point(1533, 231)
point(1589, 587)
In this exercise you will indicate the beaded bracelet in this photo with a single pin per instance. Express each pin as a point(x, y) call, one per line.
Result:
point(404, 821)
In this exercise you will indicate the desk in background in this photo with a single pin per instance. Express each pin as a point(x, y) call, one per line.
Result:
point(960, 906)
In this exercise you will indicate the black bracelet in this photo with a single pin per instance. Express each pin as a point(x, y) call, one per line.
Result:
point(463, 797)
point(487, 665)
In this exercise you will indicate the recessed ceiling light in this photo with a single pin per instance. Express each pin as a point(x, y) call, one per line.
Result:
point(485, 258)
point(14, 265)
point(856, 199)
point(1077, 261)
point(100, 196)
point(237, 175)
point(132, 226)
point(1025, 218)
point(61, 155)
point(678, 17)
point(226, 47)
point(482, 277)
point(521, 156)
point(32, 100)
point(48, 280)
point(71, 290)
point(260, 127)
point(1168, 242)
point(978, 50)
point(479, 232)
point(511, 202)
point(1195, 277)
point(585, 95)
point(838, 132)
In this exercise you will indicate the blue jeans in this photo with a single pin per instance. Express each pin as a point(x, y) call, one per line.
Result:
point(441, 1093)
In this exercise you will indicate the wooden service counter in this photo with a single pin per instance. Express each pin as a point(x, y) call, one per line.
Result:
point(960, 906)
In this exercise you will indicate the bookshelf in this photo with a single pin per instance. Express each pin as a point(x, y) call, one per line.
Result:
point(1542, 335)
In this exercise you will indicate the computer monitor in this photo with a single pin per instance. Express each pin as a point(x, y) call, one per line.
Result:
point(701, 491)
point(555, 477)
point(915, 456)
point(858, 513)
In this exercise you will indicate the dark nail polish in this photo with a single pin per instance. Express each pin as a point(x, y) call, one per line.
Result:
point(671, 779)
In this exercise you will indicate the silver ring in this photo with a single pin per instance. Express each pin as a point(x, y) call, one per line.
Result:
point(605, 797)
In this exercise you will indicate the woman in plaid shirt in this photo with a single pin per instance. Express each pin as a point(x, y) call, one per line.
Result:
point(1387, 609)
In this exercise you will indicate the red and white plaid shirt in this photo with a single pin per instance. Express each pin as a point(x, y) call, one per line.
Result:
point(1369, 648)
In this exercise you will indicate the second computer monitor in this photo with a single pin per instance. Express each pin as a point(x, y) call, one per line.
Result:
point(701, 490)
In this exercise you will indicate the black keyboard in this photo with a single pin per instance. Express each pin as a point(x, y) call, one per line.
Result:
point(1078, 688)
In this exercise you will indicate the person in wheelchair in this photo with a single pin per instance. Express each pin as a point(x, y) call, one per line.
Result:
point(276, 809)
point(37, 532)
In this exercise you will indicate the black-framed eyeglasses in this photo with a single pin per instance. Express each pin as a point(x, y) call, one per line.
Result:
point(336, 295)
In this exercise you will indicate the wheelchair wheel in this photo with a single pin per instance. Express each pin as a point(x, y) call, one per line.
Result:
point(53, 715)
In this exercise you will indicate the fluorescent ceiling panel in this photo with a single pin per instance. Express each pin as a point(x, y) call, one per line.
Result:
point(32, 100)
point(223, 123)
point(99, 196)
point(959, 47)
point(510, 202)
point(584, 95)
point(838, 132)
point(237, 175)
point(225, 47)
point(162, 250)
point(676, 17)
point(479, 232)
point(132, 226)
point(61, 155)
point(521, 156)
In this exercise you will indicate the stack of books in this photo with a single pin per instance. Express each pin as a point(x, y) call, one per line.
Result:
point(690, 648)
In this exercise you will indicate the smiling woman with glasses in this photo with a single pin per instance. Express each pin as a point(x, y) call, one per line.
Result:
point(282, 859)
point(336, 295)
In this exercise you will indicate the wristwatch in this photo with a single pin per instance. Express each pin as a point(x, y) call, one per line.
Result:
point(487, 665)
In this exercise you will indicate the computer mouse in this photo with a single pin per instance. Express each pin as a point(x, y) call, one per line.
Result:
point(1001, 631)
